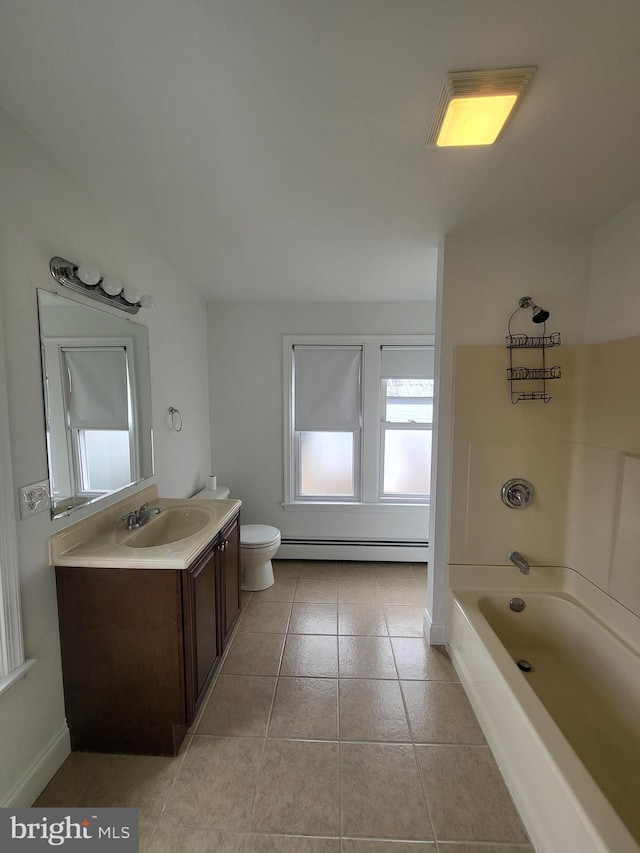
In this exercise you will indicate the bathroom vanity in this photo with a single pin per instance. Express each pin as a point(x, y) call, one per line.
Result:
point(143, 626)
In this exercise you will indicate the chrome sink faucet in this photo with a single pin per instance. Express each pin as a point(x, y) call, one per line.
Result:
point(518, 560)
point(136, 518)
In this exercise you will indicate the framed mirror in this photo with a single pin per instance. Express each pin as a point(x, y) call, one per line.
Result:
point(97, 394)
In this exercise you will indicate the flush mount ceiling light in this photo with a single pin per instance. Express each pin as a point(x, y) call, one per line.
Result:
point(475, 105)
point(88, 280)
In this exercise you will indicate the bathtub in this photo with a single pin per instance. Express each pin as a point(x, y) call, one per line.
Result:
point(566, 734)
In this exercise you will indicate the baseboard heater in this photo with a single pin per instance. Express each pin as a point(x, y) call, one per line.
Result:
point(367, 543)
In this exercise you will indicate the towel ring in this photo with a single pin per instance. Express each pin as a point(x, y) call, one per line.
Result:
point(176, 419)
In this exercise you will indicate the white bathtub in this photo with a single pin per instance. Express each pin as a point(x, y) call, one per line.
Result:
point(566, 735)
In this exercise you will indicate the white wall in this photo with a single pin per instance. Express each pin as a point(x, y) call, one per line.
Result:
point(614, 280)
point(482, 278)
point(246, 375)
point(46, 212)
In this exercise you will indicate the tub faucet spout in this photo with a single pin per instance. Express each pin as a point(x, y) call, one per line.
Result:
point(518, 560)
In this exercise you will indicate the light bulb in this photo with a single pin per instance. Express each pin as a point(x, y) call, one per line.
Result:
point(131, 295)
point(147, 301)
point(88, 275)
point(111, 286)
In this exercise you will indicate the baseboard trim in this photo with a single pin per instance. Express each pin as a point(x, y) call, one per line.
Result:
point(434, 631)
point(376, 552)
point(34, 781)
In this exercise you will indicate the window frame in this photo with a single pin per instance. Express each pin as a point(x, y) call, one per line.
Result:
point(369, 471)
point(13, 665)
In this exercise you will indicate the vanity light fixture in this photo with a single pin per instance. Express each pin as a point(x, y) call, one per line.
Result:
point(474, 105)
point(88, 280)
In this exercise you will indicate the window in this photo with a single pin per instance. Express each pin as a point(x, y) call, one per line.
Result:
point(327, 421)
point(407, 416)
point(359, 418)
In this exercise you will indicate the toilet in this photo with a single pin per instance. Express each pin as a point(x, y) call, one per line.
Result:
point(258, 545)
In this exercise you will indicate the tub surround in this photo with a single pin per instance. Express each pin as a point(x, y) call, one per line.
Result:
point(98, 541)
point(571, 770)
point(581, 452)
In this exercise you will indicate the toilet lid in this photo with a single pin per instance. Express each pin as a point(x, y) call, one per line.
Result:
point(256, 535)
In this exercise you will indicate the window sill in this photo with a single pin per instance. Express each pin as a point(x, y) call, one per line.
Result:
point(14, 677)
point(352, 506)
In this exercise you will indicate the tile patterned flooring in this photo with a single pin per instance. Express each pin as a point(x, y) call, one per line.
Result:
point(332, 727)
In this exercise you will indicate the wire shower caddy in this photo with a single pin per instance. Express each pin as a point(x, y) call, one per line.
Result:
point(539, 374)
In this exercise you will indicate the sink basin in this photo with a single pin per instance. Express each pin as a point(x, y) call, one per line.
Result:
point(171, 525)
point(171, 540)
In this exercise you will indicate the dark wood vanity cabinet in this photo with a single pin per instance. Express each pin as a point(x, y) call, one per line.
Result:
point(212, 587)
point(229, 556)
point(202, 620)
point(140, 647)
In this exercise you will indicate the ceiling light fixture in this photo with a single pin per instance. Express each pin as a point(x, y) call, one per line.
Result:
point(474, 105)
point(88, 280)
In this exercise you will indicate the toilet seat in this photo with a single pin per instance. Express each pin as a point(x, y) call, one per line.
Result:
point(258, 535)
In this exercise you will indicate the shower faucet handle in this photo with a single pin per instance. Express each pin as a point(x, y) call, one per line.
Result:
point(517, 493)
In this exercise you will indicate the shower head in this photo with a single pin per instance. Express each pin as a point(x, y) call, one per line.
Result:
point(539, 314)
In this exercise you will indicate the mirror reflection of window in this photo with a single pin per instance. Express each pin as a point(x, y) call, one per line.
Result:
point(103, 460)
point(99, 418)
point(97, 393)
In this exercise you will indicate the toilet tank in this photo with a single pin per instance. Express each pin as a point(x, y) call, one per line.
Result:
point(219, 494)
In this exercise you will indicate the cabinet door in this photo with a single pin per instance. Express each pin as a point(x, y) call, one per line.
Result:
point(230, 577)
point(203, 628)
point(122, 659)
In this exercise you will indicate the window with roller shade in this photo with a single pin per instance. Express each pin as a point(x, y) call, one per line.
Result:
point(327, 421)
point(359, 420)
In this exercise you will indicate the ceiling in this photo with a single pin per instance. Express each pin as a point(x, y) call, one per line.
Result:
point(274, 149)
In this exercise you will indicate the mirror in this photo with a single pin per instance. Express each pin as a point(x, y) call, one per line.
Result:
point(97, 394)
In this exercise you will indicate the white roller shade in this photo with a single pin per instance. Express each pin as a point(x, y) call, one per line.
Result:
point(327, 388)
point(406, 362)
point(98, 396)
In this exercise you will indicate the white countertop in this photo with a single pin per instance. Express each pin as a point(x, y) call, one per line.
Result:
point(92, 543)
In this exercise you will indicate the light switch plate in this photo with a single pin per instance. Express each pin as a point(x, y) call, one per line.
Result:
point(34, 499)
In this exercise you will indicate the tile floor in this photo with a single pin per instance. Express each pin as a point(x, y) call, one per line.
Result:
point(332, 727)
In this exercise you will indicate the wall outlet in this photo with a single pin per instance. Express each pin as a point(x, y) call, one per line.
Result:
point(34, 499)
